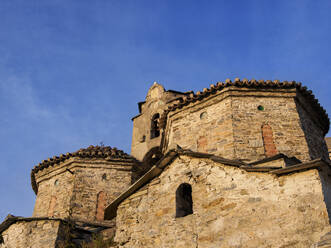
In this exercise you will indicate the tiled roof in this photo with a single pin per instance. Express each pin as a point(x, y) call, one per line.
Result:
point(105, 152)
point(260, 84)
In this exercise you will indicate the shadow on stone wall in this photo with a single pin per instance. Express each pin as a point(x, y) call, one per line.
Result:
point(325, 175)
point(313, 134)
point(150, 159)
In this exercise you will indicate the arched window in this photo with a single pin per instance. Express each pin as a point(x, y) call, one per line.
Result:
point(155, 131)
point(184, 202)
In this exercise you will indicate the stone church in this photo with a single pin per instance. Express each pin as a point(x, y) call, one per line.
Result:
point(242, 163)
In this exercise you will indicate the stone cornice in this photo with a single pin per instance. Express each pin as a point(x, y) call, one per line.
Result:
point(73, 163)
point(90, 155)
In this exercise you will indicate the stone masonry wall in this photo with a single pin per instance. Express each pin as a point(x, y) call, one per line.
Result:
point(313, 133)
point(231, 208)
point(328, 144)
point(325, 176)
point(205, 127)
point(32, 234)
point(279, 113)
point(80, 188)
point(54, 194)
point(88, 185)
point(229, 124)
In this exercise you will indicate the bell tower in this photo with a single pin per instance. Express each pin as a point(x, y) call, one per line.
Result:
point(147, 134)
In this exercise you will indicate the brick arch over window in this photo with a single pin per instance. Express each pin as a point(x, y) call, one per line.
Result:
point(101, 205)
point(184, 203)
point(268, 141)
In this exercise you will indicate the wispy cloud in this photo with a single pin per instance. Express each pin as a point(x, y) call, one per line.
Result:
point(20, 96)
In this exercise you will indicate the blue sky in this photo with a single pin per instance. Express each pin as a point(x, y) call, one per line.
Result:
point(72, 72)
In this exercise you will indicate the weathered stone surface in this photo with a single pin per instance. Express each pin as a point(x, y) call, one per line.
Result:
point(232, 125)
point(231, 208)
point(313, 133)
point(325, 241)
point(74, 187)
point(328, 143)
point(31, 234)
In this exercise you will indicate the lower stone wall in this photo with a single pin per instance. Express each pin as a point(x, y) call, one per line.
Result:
point(231, 208)
point(31, 234)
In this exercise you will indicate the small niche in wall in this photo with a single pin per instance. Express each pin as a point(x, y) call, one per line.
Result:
point(56, 183)
point(203, 115)
point(260, 108)
point(142, 139)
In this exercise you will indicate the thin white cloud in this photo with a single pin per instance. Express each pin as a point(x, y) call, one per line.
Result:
point(20, 96)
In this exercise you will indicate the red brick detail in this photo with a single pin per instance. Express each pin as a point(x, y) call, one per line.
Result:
point(268, 141)
point(202, 144)
point(51, 207)
point(101, 204)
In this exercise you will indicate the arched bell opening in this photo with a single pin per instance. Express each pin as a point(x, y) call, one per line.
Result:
point(155, 130)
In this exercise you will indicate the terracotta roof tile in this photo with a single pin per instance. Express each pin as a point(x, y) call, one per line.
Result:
point(89, 152)
point(245, 83)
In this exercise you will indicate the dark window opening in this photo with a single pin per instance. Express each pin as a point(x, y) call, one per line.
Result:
point(184, 202)
point(142, 139)
point(155, 131)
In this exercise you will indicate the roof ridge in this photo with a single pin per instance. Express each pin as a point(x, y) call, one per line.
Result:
point(89, 152)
